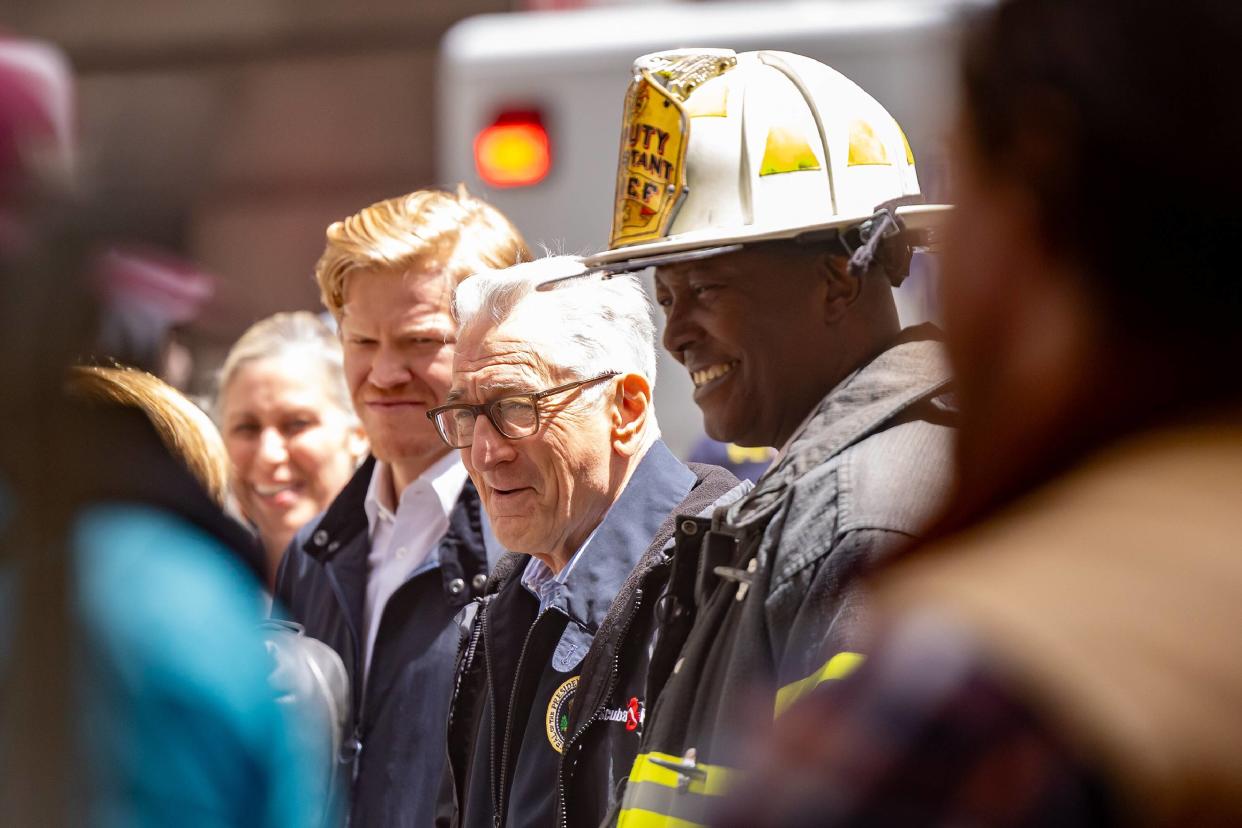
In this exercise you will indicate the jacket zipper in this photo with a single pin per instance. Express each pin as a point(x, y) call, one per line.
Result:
point(471, 644)
point(491, 696)
point(356, 681)
point(465, 659)
point(497, 818)
point(561, 819)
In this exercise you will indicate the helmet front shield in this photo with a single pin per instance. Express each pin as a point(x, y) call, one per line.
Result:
point(651, 173)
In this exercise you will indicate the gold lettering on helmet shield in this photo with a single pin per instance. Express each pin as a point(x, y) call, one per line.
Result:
point(651, 173)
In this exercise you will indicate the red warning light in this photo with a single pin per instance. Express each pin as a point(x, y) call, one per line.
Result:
point(514, 151)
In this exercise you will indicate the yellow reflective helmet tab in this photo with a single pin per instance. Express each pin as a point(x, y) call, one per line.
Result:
point(906, 143)
point(787, 150)
point(865, 147)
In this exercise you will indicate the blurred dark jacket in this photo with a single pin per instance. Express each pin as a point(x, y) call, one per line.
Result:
point(1073, 660)
point(397, 749)
point(764, 610)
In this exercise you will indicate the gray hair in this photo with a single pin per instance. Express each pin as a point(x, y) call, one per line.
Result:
point(594, 324)
point(298, 332)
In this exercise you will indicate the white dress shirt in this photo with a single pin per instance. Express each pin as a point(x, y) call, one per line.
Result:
point(402, 539)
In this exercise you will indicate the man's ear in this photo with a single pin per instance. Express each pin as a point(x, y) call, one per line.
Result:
point(631, 411)
point(840, 288)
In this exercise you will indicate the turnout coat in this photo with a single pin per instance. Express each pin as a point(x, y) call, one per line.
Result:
point(759, 605)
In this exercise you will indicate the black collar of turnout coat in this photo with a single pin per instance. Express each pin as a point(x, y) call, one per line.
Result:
point(400, 724)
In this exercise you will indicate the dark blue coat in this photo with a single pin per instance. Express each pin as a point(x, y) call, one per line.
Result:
point(399, 728)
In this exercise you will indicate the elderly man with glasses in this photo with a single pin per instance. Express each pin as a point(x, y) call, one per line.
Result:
point(551, 408)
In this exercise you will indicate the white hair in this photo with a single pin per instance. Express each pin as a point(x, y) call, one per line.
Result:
point(593, 324)
point(301, 333)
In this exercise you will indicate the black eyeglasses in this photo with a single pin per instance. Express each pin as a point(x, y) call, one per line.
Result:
point(514, 417)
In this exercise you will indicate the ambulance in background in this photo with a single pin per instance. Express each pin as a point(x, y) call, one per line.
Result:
point(530, 104)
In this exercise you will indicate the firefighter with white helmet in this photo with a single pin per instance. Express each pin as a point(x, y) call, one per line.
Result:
point(779, 205)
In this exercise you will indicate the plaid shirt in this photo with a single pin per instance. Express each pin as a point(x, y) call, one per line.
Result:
point(923, 734)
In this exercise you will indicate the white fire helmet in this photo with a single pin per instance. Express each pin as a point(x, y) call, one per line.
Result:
point(720, 149)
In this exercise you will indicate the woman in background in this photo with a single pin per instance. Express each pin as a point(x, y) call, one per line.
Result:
point(291, 433)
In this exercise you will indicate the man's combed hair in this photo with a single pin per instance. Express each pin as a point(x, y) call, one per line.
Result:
point(594, 324)
point(427, 230)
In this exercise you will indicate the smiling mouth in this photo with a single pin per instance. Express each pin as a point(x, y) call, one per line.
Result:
point(712, 372)
point(272, 491)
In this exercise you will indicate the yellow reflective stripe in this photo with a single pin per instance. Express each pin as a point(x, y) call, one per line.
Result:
point(638, 818)
point(708, 779)
point(661, 797)
point(839, 666)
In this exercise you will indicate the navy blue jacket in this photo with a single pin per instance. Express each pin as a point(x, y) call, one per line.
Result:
point(397, 748)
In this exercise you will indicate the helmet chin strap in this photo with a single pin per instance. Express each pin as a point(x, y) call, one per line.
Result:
point(883, 225)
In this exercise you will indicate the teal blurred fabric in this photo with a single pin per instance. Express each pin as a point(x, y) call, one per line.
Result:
point(177, 724)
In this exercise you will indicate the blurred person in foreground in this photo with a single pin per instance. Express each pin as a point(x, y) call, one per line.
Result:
point(183, 427)
point(380, 575)
point(306, 675)
point(37, 129)
point(776, 275)
point(134, 684)
point(1066, 651)
point(146, 293)
point(149, 297)
point(551, 407)
point(288, 424)
point(133, 678)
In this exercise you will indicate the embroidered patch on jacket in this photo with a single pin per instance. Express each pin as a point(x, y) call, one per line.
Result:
point(557, 719)
point(632, 715)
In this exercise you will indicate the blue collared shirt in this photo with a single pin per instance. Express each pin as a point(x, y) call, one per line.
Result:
point(546, 585)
